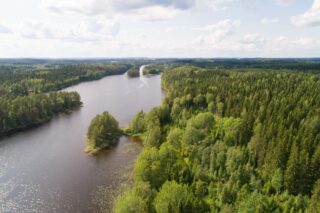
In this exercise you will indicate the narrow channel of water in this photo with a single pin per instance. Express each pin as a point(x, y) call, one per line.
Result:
point(44, 169)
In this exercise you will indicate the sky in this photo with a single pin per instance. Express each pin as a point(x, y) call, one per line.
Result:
point(159, 28)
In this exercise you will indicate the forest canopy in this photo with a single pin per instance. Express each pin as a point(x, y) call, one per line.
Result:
point(103, 132)
point(25, 111)
point(133, 72)
point(229, 140)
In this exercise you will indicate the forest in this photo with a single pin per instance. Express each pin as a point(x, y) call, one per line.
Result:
point(154, 69)
point(230, 140)
point(103, 132)
point(26, 111)
point(133, 72)
point(28, 89)
point(20, 80)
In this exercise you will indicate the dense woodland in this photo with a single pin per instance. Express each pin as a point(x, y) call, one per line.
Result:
point(21, 80)
point(229, 140)
point(27, 94)
point(304, 65)
point(133, 72)
point(230, 136)
point(103, 132)
point(154, 69)
point(26, 111)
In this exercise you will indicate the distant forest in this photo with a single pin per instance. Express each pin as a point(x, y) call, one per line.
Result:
point(28, 90)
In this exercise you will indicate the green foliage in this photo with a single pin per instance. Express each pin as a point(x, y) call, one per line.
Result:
point(22, 112)
point(102, 133)
point(175, 138)
point(155, 69)
point(198, 127)
point(138, 124)
point(315, 198)
point(175, 198)
point(153, 133)
point(153, 137)
point(148, 168)
point(255, 202)
point(136, 200)
point(234, 141)
point(133, 72)
point(277, 180)
point(229, 130)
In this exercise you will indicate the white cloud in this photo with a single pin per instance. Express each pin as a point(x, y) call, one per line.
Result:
point(281, 38)
point(293, 46)
point(284, 2)
point(149, 10)
point(154, 13)
point(254, 38)
point(219, 31)
point(216, 4)
point(91, 30)
point(305, 42)
point(252, 42)
point(269, 20)
point(4, 29)
point(309, 18)
point(214, 36)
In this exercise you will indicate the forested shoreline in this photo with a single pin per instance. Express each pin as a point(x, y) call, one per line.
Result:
point(238, 140)
point(28, 94)
point(27, 111)
point(103, 132)
point(133, 72)
point(24, 80)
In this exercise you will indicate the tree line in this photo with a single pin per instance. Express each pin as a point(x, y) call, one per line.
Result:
point(25, 111)
point(27, 91)
point(21, 80)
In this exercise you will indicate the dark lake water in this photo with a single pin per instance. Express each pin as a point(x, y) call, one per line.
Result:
point(44, 169)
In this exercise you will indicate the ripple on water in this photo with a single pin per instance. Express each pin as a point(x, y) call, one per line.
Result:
point(27, 198)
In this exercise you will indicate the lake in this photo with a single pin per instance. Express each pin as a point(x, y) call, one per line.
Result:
point(44, 169)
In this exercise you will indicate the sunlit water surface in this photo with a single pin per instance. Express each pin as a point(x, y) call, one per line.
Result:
point(44, 169)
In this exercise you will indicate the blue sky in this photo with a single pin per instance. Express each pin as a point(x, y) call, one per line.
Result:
point(160, 28)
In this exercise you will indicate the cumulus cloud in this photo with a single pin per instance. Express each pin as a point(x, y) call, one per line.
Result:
point(218, 31)
point(281, 38)
point(292, 45)
point(305, 42)
point(217, 36)
point(254, 38)
point(216, 4)
point(309, 18)
point(252, 42)
point(145, 9)
point(4, 29)
point(269, 20)
point(154, 13)
point(149, 10)
point(284, 2)
point(91, 30)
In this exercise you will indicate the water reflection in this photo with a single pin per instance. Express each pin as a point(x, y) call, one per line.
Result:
point(44, 169)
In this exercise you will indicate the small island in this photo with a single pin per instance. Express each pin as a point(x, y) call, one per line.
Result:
point(103, 132)
point(156, 69)
point(133, 72)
